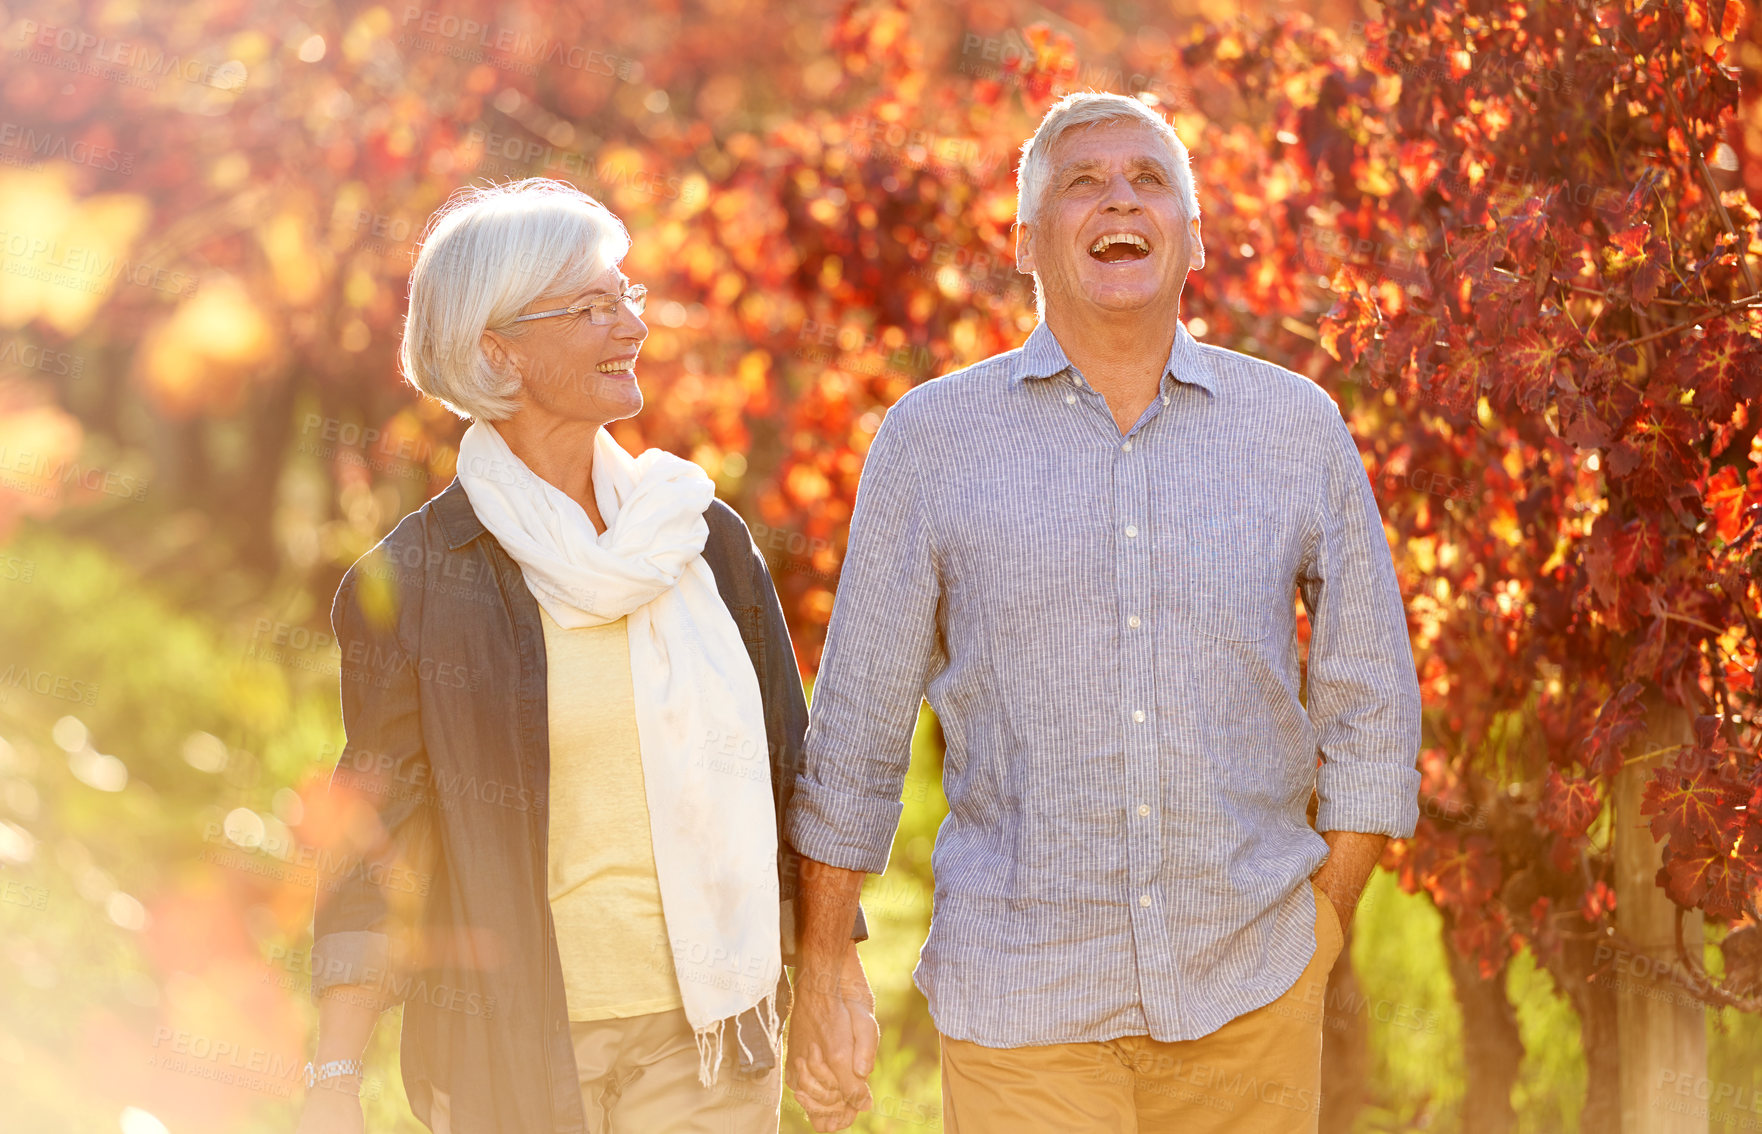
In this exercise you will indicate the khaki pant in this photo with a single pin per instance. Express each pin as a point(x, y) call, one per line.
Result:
point(639, 1076)
point(1258, 1074)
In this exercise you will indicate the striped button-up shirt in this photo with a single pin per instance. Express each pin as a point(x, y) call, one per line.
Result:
point(1105, 625)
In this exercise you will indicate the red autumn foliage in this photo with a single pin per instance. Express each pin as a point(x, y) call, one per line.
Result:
point(1495, 233)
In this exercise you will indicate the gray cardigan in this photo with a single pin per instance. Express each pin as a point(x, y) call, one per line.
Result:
point(444, 907)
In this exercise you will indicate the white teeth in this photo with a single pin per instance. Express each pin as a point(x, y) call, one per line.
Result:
point(614, 367)
point(1120, 238)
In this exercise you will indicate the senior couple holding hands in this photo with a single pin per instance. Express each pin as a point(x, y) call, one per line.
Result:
point(627, 825)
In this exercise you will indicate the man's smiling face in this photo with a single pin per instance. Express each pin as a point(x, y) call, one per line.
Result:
point(1112, 232)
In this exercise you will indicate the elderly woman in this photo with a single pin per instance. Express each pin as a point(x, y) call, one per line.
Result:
point(573, 722)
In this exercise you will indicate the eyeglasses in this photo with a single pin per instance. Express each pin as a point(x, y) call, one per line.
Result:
point(601, 309)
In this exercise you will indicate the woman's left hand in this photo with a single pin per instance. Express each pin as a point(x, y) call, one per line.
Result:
point(827, 1107)
point(859, 1005)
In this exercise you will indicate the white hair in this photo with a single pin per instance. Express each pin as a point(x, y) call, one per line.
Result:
point(1092, 108)
point(487, 253)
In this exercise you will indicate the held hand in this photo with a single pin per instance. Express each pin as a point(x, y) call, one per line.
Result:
point(865, 1032)
point(331, 1108)
point(825, 1112)
point(824, 1050)
point(865, 1036)
point(865, 1039)
point(820, 1043)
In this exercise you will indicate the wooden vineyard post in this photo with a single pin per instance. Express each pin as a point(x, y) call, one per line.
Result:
point(1661, 1026)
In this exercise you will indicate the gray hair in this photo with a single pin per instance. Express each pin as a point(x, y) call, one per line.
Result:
point(487, 253)
point(1092, 108)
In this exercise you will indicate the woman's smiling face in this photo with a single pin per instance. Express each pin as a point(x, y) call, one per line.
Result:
point(574, 368)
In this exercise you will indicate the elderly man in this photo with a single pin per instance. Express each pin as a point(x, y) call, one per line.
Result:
point(1084, 552)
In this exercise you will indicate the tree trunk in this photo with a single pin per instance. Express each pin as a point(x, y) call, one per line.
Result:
point(1492, 1049)
point(1595, 1003)
point(254, 491)
point(1661, 1027)
point(1574, 967)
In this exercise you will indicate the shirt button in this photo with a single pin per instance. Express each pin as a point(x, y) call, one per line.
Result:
point(1144, 809)
point(1131, 531)
point(1138, 715)
point(1132, 621)
point(1070, 399)
point(1144, 899)
point(1126, 448)
point(1165, 399)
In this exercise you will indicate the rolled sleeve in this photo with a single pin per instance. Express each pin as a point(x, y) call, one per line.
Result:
point(371, 887)
point(854, 832)
point(880, 644)
point(350, 957)
point(1363, 695)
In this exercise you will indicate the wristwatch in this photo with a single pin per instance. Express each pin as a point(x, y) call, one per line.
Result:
point(335, 1069)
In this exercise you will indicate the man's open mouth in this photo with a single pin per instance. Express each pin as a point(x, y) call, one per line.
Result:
point(1117, 246)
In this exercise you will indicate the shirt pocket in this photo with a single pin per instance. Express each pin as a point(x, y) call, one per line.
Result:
point(1238, 554)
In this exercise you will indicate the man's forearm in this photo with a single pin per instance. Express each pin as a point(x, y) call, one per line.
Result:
point(826, 909)
point(1352, 855)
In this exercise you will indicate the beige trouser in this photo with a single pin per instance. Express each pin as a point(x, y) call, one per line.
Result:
point(1258, 1074)
point(639, 1076)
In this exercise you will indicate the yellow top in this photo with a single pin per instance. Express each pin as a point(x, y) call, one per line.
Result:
point(605, 895)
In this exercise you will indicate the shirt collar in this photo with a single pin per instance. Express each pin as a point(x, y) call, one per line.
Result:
point(1042, 357)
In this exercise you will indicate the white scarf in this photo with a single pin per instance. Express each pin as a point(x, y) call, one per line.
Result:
point(699, 718)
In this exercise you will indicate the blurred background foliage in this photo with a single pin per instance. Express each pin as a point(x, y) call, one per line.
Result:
point(207, 216)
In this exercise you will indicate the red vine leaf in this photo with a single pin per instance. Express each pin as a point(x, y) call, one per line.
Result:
point(1731, 20)
point(1685, 806)
point(1723, 368)
point(1639, 547)
point(1727, 498)
point(1649, 273)
point(1632, 241)
point(1687, 879)
point(1530, 364)
point(1569, 806)
point(1621, 717)
point(1599, 411)
point(1658, 452)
